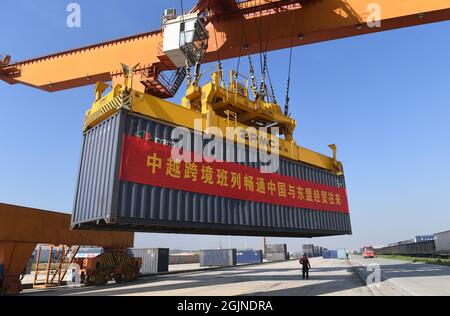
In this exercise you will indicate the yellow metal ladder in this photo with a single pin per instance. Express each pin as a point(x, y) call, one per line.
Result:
point(54, 270)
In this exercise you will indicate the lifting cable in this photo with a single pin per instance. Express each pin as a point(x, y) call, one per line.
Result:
point(262, 88)
point(288, 88)
point(236, 74)
point(252, 75)
point(243, 38)
point(272, 93)
point(286, 107)
point(262, 56)
point(266, 66)
point(218, 55)
point(269, 93)
point(259, 35)
point(273, 98)
point(264, 91)
point(188, 63)
point(254, 84)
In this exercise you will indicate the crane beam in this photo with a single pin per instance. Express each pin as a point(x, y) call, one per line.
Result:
point(274, 27)
point(260, 25)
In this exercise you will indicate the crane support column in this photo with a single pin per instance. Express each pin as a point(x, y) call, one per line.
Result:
point(14, 257)
point(21, 229)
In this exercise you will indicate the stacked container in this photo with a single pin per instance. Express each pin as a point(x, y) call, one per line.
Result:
point(342, 254)
point(442, 243)
point(184, 258)
point(308, 250)
point(218, 258)
point(249, 256)
point(153, 260)
point(333, 254)
point(277, 252)
point(318, 251)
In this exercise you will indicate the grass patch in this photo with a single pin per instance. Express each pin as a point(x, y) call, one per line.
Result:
point(438, 261)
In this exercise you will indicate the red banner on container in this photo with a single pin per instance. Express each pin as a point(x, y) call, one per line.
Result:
point(150, 163)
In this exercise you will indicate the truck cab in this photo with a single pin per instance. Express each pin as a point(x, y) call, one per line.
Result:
point(368, 252)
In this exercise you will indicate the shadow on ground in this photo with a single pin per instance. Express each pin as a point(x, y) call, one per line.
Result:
point(322, 281)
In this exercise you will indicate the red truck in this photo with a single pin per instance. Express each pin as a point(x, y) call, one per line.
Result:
point(367, 252)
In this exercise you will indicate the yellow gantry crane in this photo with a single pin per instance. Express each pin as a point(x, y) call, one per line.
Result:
point(277, 23)
point(212, 31)
point(218, 30)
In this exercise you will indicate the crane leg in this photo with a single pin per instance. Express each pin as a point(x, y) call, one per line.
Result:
point(14, 257)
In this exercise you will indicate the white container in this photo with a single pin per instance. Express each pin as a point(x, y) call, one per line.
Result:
point(442, 242)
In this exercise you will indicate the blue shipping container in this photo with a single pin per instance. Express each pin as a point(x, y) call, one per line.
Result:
point(249, 256)
point(326, 254)
point(333, 254)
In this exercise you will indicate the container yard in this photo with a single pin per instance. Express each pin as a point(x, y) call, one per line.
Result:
point(193, 179)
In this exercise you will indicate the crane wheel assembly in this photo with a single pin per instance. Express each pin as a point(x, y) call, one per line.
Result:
point(115, 265)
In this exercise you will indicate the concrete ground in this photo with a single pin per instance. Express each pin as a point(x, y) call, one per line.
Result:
point(29, 278)
point(328, 277)
point(184, 267)
point(406, 278)
point(188, 267)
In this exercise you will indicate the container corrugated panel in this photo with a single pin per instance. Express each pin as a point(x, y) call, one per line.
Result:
point(333, 254)
point(326, 254)
point(442, 242)
point(308, 250)
point(318, 251)
point(153, 260)
point(276, 248)
point(104, 202)
point(249, 256)
point(184, 259)
point(218, 258)
point(277, 256)
point(341, 254)
point(98, 185)
point(425, 248)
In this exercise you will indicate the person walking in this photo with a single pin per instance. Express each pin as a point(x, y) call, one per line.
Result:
point(306, 266)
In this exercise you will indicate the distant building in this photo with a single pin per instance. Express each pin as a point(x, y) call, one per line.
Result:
point(423, 238)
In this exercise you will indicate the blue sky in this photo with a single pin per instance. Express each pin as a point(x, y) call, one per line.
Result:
point(384, 99)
